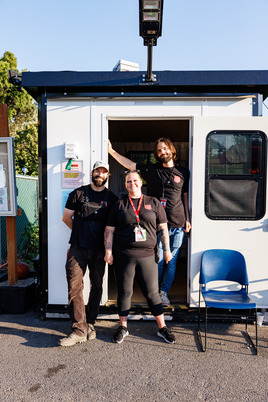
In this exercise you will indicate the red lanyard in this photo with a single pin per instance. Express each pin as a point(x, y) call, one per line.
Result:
point(136, 211)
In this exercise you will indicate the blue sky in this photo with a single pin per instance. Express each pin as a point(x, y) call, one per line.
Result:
point(92, 35)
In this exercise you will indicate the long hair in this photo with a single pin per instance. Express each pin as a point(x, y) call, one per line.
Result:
point(169, 144)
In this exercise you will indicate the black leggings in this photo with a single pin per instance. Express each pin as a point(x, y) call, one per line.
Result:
point(147, 275)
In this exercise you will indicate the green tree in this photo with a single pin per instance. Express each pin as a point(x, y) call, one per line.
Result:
point(22, 113)
point(26, 150)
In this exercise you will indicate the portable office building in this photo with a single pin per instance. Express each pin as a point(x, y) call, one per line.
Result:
point(215, 120)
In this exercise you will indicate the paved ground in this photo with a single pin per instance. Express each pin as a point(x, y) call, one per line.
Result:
point(142, 368)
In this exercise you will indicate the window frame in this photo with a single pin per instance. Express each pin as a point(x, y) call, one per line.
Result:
point(259, 177)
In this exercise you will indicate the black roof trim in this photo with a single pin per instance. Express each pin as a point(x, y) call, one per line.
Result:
point(247, 81)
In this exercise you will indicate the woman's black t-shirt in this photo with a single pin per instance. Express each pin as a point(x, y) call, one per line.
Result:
point(122, 217)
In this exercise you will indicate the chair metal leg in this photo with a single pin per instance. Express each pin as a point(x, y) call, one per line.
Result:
point(198, 326)
point(256, 327)
point(199, 333)
point(255, 346)
point(204, 347)
point(206, 321)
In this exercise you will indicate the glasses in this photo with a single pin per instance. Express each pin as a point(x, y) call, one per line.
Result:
point(132, 171)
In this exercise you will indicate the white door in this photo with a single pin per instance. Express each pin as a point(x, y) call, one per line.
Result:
point(228, 207)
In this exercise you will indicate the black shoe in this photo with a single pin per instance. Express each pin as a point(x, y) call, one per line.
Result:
point(166, 335)
point(120, 334)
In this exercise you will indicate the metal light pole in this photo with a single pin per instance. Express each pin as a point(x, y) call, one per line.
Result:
point(151, 12)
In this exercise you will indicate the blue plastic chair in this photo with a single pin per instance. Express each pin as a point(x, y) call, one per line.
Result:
point(225, 265)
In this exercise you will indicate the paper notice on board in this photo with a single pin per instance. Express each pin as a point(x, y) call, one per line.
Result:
point(3, 199)
point(2, 176)
point(71, 178)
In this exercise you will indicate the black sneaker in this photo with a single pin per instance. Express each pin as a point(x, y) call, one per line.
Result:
point(166, 335)
point(120, 334)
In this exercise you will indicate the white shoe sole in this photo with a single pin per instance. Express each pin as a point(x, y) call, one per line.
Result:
point(126, 334)
point(165, 339)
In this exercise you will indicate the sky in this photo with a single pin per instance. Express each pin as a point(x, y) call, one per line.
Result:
point(93, 35)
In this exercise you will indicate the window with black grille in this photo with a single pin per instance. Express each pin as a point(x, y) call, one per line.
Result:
point(235, 175)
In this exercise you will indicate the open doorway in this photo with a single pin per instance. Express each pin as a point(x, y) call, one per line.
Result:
point(135, 139)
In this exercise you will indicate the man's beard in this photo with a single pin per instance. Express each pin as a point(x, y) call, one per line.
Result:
point(165, 159)
point(98, 181)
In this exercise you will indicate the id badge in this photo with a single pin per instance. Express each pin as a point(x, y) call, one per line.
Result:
point(163, 202)
point(140, 234)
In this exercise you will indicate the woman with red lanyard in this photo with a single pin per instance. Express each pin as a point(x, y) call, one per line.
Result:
point(130, 241)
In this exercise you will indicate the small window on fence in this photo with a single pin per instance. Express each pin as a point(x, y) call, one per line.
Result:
point(235, 175)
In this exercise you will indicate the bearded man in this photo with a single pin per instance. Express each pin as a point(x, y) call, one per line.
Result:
point(85, 214)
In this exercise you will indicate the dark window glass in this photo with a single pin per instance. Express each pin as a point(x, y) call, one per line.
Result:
point(142, 157)
point(235, 175)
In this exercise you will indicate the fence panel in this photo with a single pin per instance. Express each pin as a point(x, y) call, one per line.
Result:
point(27, 200)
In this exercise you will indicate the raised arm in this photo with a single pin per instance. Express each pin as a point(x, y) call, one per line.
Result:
point(108, 244)
point(127, 163)
point(164, 237)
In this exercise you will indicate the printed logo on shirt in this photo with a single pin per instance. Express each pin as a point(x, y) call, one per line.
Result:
point(104, 203)
point(177, 179)
point(148, 206)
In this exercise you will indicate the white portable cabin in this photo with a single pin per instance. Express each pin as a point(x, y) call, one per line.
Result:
point(215, 120)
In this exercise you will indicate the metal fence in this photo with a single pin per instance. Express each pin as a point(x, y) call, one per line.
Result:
point(27, 201)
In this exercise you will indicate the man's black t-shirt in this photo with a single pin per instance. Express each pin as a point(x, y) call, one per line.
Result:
point(122, 217)
point(168, 183)
point(89, 232)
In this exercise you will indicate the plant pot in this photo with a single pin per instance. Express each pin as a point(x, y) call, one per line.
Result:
point(17, 299)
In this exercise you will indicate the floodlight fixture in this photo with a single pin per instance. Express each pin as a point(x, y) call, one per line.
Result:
point(151, 12)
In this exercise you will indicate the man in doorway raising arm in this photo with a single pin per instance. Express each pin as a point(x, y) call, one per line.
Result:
point(85, 214)
point(168, 182)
